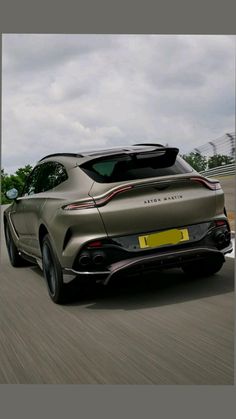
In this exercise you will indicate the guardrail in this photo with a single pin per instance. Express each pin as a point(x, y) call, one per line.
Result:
point(223, 145)
point(228, 169)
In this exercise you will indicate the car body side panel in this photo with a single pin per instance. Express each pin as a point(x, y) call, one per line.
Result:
point(23, 217)
point(17, 217)
point(220, 202)
point(32, 211)
point(28, 213)
point(84, 225)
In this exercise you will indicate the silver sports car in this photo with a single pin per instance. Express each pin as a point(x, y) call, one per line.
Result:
point(99, 213)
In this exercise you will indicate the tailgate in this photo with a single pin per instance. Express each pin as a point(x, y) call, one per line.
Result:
point(155, 205)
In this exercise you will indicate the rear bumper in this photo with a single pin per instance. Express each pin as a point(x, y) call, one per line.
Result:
point(161, 260)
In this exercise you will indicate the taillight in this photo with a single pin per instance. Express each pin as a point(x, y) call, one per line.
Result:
point(95, 243)
point(222, 223)
point(210, 184)
point(99, 202)
point(219, 223)
point(80, 205)
point(103, 201)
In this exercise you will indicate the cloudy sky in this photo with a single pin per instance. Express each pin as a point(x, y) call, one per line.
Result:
point(77, 92)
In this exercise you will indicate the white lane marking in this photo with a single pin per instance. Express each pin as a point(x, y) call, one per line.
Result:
point(232, 254)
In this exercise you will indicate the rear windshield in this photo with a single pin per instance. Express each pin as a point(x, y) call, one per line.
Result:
point(118, 169)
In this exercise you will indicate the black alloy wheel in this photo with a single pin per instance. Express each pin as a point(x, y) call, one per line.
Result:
point(52, 272)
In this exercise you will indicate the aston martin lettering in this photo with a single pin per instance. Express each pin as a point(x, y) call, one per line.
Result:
point(166, 198)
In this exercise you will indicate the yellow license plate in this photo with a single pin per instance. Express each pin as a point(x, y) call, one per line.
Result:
point(170, 237)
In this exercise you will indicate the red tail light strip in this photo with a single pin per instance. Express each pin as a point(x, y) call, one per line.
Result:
point(109, 196)
point(79, 205)
point(96, 243)
point(219, 223)
point(97, 202)
point(213, 185)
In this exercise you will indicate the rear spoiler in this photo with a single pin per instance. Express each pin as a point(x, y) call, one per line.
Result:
point(162, 156)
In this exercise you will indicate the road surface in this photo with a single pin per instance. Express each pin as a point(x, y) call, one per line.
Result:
point(152, 329)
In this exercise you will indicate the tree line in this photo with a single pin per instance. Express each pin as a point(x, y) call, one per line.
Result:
point(13, 181)
point(196, 160)
point(201, 163)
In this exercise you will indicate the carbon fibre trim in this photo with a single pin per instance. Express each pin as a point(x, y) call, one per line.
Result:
point(180, 254)
point(127, 264)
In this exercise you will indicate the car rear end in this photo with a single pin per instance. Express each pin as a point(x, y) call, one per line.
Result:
point(155, 211)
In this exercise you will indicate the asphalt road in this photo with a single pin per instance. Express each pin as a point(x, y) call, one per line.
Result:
point(151, 329)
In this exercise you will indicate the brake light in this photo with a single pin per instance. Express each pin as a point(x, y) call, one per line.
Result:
point(79, 205)
point(96, 243)
point(103, 201)
point(90, 203)
point(213, 185)
point(219, 223)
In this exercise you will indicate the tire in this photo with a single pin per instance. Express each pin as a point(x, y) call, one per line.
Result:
point(15, 259)
point(52, 272)
point(203, 268)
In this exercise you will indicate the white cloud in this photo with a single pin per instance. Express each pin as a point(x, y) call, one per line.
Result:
point(71, 92)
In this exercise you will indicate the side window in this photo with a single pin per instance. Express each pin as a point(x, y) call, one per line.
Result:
point(30, 187)
point(44, 177)
point(52, 175)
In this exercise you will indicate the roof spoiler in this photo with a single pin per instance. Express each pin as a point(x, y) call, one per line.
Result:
point(149, 144)
point(160, 157)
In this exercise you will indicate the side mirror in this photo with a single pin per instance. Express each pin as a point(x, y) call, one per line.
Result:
point(12, 193)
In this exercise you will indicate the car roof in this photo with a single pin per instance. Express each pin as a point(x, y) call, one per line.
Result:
point(91, 154)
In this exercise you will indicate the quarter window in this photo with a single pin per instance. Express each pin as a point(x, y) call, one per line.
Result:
point(30, 187)
point(44, 177)
point(53, 174)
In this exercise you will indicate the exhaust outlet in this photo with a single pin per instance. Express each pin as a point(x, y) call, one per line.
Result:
point(221, 238)
point(98, 258)
point(84, 259)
